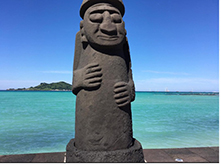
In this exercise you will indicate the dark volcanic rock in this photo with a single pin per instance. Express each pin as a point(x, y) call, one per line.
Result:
point(103, 84)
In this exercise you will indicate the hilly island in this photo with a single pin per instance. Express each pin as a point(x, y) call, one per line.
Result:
point(59, 86)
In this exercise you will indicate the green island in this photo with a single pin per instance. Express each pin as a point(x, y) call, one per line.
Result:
point(59, 86)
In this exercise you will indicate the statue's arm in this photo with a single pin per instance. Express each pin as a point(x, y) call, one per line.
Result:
point(130, 75)
point(131, 84)
point(90, 76)
point(77, 76)
point(125, 91)
point(77, 81)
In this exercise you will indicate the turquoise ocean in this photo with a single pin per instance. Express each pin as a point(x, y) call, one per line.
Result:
point(38, 122)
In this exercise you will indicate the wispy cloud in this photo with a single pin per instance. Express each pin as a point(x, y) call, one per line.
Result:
point(18, 81)
point(57, 72)
point(171, 73)
point(178, 84)
point(181, 80)
point(6, 84)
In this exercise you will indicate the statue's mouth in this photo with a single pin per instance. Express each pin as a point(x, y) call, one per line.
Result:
point(109, 38)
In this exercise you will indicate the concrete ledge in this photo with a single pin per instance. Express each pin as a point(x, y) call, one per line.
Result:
point(199, 155)
point(186, 155)
point(34, 158)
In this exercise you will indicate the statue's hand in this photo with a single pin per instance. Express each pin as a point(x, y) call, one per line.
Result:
point(122, 94)
point(92, 76)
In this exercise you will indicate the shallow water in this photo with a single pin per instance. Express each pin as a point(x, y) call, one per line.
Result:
point(174, 121)
point(38, 122)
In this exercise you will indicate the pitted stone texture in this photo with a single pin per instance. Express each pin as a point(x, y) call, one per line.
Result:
point(102, 80)
point(104, 86)
point(133, 154)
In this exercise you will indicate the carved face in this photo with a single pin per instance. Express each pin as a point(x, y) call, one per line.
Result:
point(103, 25)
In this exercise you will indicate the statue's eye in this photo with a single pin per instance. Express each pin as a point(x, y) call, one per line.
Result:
point(96, 18)
point(116, 18)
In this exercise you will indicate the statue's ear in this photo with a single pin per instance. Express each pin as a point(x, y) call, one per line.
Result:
point(124, 28)
point(83, 37)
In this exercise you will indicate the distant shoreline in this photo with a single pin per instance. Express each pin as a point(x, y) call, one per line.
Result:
point(36, 90)
point(181, 92)
point(157, 92)
point(56, 86)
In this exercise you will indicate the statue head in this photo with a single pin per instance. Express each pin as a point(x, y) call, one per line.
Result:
point(102, 23)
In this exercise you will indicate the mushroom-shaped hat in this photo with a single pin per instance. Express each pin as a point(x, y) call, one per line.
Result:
point(87, 3)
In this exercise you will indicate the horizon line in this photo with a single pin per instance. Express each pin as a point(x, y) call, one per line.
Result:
point(135, 91)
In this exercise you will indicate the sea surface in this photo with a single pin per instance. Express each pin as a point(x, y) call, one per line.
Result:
point(38, 122)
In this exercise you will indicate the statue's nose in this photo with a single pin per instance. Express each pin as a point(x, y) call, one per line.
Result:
point(107, 26)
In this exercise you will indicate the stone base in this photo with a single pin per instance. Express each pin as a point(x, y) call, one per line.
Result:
point(132, 155)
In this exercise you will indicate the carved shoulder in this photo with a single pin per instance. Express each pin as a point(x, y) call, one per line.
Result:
point(78, 50)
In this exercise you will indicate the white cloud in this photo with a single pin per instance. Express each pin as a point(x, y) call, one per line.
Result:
point(171, 73)
point(6, 84)
point(182, 80)
point(57, 72)
point(177, 84)
point(18, 81)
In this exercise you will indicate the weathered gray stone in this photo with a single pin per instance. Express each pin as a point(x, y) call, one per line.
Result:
point(102, 80)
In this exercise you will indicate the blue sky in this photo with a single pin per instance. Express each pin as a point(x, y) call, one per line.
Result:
point(174, 44)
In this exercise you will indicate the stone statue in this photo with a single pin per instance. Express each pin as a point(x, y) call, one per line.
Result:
point(103, 83)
